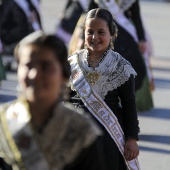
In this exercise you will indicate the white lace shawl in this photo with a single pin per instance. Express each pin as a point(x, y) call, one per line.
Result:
point(114, 71)
point(65, 135)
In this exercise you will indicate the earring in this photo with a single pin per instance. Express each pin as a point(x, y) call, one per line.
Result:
point(112, 44)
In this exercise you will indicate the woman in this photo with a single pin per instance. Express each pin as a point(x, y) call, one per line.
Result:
point(37, 131)
point(103, 83)
point(130, 43)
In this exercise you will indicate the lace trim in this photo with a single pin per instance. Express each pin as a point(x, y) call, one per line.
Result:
point(114, 71)
point(69, 136)
point(70, 133)
point(101, 59)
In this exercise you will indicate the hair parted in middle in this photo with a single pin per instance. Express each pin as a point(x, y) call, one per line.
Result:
point(104, 15)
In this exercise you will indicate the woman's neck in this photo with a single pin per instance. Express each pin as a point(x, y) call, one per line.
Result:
point(95, 55)
point(40, 112)
point(95, 58)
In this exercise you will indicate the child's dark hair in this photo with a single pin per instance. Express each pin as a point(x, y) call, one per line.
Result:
point(39, 39)
point(104, 15)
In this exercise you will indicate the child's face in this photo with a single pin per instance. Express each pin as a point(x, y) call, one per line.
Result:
point(39, 74)
point(97, 35)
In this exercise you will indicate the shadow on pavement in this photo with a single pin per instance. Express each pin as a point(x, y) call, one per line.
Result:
point(6, 98)
point(160, 139)
point(161, 69)
point(155, 138)
point(162, 83)
point(149, 149)
point(157, 113)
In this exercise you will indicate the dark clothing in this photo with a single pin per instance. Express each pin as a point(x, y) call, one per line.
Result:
point(71, 15)
point(69, 140)
point(133, 13)
point(14, 25)
point(126, 114)
point(4, 165)
point(128, 48)
point(86, 161)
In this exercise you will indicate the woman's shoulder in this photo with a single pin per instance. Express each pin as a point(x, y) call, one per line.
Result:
point(119, 58)
point(122, 66)
point(78, 117)
point(80, 52)
point(73, 132)
point(116, 54)
point(8, 105)
point(83, 123)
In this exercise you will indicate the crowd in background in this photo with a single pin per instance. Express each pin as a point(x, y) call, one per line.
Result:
point(127, 46)
point(19, 18)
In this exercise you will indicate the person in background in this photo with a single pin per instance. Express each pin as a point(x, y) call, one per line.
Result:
point(37, 130)
point(18, 19)
point(103, 83)
point(71, 14)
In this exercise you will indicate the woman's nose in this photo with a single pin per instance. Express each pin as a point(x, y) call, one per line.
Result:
point(94, 36)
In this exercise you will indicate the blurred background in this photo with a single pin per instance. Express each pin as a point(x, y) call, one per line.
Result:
point(155, 124)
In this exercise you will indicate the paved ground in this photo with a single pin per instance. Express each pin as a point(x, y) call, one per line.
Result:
point(155, 124)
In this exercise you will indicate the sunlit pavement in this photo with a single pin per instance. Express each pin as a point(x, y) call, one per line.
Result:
point(155, 124)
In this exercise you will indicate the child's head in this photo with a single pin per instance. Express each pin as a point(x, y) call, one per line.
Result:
point(99, 29)
point(104, 15)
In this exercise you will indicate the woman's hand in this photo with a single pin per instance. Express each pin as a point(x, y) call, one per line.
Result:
point(131, 149)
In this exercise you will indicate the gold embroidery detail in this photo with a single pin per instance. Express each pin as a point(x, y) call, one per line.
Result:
point(93, 77)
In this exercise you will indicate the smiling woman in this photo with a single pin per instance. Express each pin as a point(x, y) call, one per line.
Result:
point(104, 86)
point(37, 130)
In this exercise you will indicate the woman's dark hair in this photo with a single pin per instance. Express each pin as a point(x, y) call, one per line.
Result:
point(104, 15)
point(52, 42)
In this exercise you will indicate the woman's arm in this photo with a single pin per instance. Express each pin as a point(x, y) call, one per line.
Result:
point(130, 120)
point(127, 97)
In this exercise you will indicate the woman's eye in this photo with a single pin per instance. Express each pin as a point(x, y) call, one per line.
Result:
point(29, 65)
point(101, 32)
point(89, 32)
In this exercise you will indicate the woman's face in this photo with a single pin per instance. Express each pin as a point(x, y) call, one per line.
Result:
point(97, 35)
point(39, 74)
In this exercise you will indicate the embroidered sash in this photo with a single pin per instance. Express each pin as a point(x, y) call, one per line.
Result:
point(98, 108)
point(20, 136)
